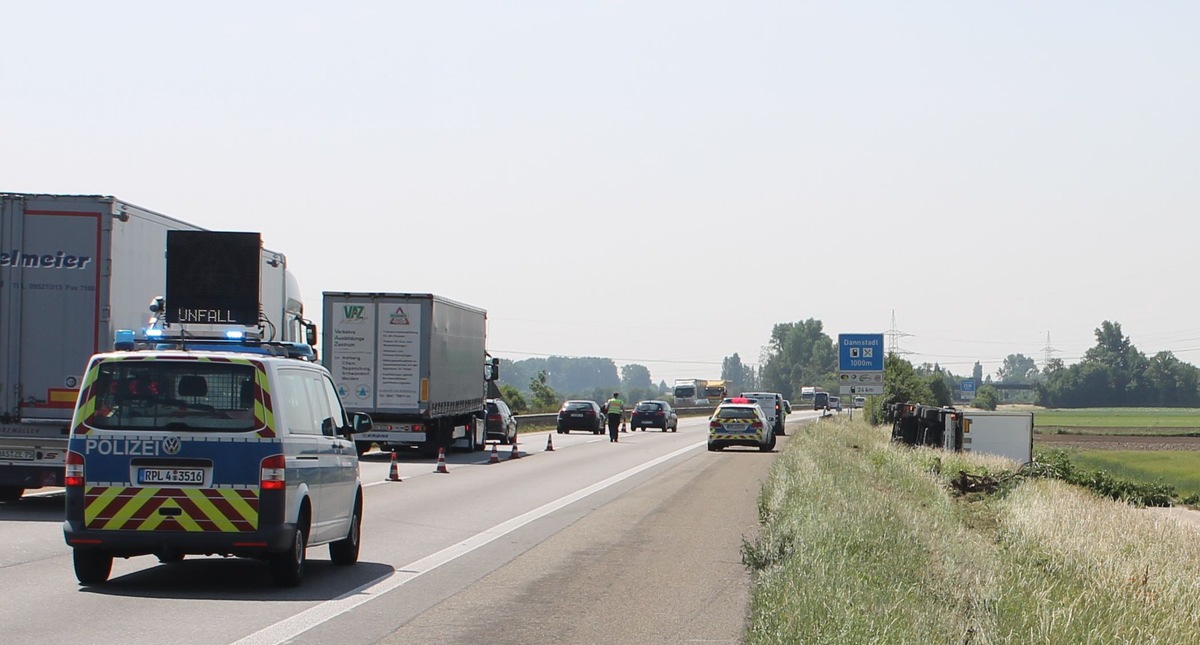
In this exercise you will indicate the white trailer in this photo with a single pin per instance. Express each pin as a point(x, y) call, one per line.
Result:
point(73, 270)
point(1007, 434)
point(415, 362)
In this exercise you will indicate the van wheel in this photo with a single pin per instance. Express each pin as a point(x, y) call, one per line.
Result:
point(345, 551)
point(11, 493)
point(170, 558)
point(362, 447)
point(287, 568)
point(92, 567)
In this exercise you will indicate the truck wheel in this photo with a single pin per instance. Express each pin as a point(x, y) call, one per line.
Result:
point(287, 568)
point(92, 567)
point(11, 493)
point(345, 551)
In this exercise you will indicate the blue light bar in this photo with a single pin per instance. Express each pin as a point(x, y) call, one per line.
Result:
point(235, 334)
point(154, 333)
point(123, 340)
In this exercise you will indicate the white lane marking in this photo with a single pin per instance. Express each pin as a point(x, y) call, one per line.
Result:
point(296, 625)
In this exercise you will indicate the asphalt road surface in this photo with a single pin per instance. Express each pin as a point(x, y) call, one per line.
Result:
point(591, 543)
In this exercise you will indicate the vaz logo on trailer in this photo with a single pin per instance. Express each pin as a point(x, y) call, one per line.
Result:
point(354, 313)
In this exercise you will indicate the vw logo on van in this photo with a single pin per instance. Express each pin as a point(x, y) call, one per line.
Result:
point(171, 445)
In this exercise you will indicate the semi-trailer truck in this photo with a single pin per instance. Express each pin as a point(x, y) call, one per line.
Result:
point(415, 362)
point(73, 270)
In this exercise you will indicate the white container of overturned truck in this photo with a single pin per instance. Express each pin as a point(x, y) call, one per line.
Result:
point(414, 361)
point(1007, 434)
point(73, 270)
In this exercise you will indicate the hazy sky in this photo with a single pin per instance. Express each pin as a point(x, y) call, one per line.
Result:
point(657, 182)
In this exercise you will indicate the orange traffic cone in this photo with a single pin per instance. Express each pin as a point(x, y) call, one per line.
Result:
point(549, 443)
point(495, 455)
point(515, 454)
point(394, 469)
point(441, 467)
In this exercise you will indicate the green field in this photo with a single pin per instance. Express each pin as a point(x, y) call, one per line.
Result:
point(1161, 421)
point(1178, 468)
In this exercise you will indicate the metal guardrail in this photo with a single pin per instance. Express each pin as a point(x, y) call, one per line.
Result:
point(551, 418)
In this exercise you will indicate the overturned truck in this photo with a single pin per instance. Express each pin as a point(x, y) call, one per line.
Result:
point(1007, 434)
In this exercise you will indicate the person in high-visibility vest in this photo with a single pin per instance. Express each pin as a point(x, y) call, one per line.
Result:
point(614, 408)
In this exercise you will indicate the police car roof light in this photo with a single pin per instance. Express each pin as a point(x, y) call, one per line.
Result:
point(123, 340)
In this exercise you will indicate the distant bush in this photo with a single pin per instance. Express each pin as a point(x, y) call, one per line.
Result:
point(987, 398)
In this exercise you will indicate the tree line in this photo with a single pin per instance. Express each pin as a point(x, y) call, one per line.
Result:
point(1113, 373)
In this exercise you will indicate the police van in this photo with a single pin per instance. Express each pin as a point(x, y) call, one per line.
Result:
point(230, 447)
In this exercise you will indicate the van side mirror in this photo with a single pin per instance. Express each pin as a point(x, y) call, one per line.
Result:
point(360, 422)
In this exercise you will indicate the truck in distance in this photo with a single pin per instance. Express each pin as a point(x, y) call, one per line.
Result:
point(689, 392)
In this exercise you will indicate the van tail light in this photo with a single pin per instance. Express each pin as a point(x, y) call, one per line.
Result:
point(493, 418)
point(273, 469)
point(74, 474)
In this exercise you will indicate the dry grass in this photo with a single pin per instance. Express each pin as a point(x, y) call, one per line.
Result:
point(862, 542)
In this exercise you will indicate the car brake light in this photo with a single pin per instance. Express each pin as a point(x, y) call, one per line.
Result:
point(495, 418)
point(714, 424)
point(658, 414)
point(757, 425)
point(273, 469)
point(74, 473)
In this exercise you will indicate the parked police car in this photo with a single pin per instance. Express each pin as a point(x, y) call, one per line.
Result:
point(235, 450)
point(740, 421)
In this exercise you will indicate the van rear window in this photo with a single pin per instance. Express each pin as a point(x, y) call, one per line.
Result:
point(737, 413)
point(174, 395)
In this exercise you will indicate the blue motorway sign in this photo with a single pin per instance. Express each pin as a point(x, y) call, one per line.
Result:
point(860, 352)
point(968, 387)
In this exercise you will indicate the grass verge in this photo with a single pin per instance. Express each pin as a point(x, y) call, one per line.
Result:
point(864, 542)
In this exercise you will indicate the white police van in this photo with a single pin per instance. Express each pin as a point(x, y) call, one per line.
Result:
point(201, 448)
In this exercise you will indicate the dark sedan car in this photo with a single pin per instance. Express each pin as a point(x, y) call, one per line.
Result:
point(654, 414)
point(580, 415)
point(500, 423)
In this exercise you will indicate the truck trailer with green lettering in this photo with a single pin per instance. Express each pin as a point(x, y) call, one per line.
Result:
point(415, 362)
